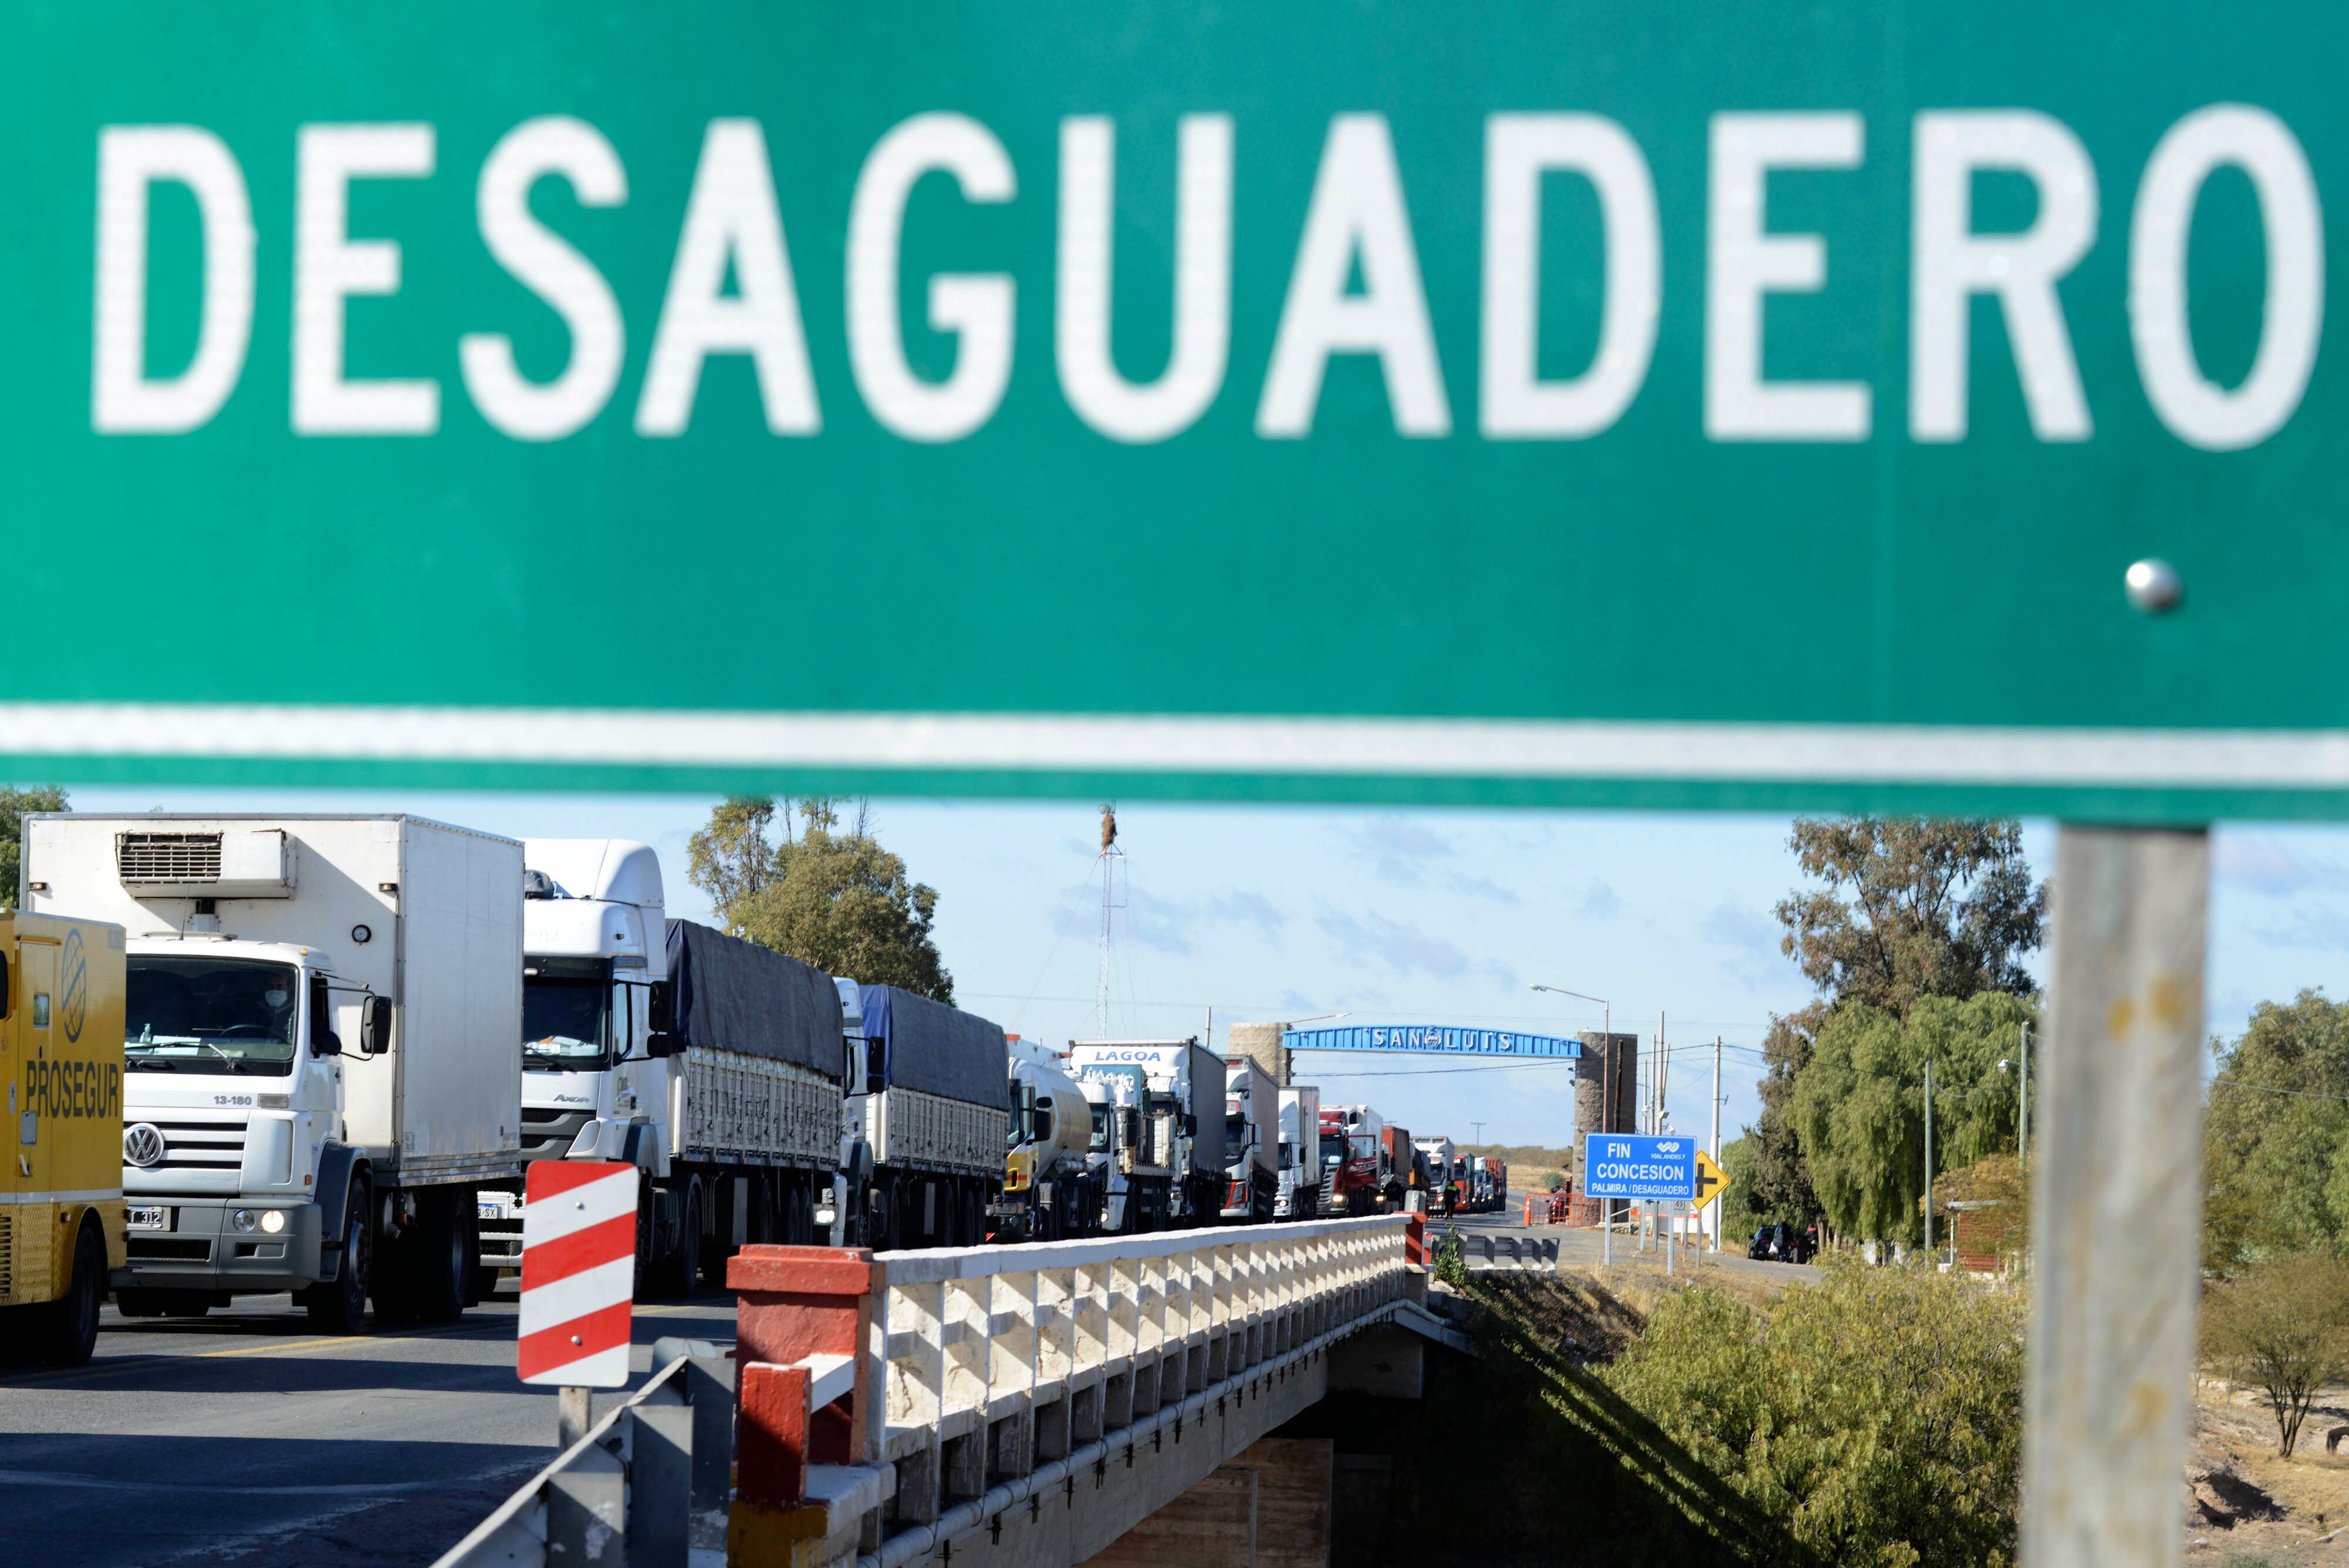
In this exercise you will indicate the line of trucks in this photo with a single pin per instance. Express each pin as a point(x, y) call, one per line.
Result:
point(250, 1054)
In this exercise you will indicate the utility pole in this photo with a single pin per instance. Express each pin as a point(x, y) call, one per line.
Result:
point(1929, 1158)
point(1715, 1150)
point(1480, 1131)
point(2022, 1142)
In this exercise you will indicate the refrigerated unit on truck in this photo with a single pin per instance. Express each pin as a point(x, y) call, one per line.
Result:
point(1178, 1176)
point(61, 1240)
point(927, 1120)
point(320, 1014)
point(1350, 1160)
point(1251, 1143)
point(1051, 1188)
point(1299, 1197)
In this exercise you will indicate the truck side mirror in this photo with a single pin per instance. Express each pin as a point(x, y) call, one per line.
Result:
point(658, 1016)
point(659, 1043)
point(375, 1026)
point(3, 988)
point(1190, 1125)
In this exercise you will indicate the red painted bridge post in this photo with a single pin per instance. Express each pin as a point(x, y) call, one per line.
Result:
point(793, 1302)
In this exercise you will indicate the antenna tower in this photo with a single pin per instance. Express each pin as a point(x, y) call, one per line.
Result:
point(1110, 854)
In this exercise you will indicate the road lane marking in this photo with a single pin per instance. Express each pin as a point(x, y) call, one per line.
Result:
point(210, 1488)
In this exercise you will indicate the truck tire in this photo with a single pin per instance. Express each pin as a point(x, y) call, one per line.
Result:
point(67, 1330)
point(681, 1269)
point(339, 1305)
point(441, 1261)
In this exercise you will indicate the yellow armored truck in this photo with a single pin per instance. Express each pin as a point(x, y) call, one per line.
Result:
point(61, 1219)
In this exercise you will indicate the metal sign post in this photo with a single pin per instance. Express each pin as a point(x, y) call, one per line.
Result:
point(2116, 1203)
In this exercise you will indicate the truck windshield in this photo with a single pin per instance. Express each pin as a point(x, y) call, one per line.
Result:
point(1333, 1148)
point(1236, 1131)
point(564, 1024)
point(208, 1015)
point(1101, 1129)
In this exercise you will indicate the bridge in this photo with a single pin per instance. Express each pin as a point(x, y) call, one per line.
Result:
point(1023, 1405)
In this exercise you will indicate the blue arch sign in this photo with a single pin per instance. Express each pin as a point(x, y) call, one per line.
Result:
point(1446, 1038)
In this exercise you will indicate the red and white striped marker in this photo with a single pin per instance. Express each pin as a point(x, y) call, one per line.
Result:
point(578, 1272)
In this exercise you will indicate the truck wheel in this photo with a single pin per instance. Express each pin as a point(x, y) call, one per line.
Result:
point(682, 1275)
point(68, 1330)
point(440, 1261)
point(339, 1305)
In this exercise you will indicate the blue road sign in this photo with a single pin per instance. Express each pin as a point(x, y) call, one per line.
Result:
point(1627, 1165)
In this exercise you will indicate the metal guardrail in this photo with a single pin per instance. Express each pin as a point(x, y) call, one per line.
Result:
point(1507, 1252)
point(647, 1487)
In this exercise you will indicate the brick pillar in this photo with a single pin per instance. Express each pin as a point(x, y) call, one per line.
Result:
point(1260, 1044)
point(793, 1302)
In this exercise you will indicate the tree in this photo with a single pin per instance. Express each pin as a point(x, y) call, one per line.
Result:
point(2276, 1140)
point(1858, 1105)
point(1913, 907)
point(14, 804)
point(1781, 1186)
point(832, 898)
point(2282, 1327)
point(1554, 1181)
point(1879, 1414)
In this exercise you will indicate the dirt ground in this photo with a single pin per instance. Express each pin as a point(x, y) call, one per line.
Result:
point(2245, 1506)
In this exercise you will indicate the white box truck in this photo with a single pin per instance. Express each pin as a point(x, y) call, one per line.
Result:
point(1251, 1142)
point(319, 1029)
point(1300, 1195)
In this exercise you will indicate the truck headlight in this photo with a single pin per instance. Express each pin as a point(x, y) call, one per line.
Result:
point(272, 1221)
point(242, 1219)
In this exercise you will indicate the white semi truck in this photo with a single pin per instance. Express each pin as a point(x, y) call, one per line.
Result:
point(713, 1065)
point(320, 1017)
point(1251, 1142)
point(1176, 1174)
point(1299, 1196)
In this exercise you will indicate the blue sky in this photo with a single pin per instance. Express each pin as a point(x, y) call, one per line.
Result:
point(1390, 917)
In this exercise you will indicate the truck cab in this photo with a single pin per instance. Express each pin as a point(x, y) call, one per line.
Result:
point(233, 1105)
point(1050, 1184)
point(594, 943)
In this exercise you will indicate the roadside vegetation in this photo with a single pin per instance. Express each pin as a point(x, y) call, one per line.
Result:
point(1874, 1417)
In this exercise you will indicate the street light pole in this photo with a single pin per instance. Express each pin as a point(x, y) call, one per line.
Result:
point(1929, 1158)
point(1606, 1090)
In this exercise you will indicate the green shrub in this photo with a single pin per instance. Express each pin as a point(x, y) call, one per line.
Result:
point(1879, 1414)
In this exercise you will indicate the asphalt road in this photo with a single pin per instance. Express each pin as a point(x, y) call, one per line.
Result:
point(1580, 1247)
point(246, 1438)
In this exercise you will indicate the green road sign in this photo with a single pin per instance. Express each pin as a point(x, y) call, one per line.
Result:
point(1565, 402)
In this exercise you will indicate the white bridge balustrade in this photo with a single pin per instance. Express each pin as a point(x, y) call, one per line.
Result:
point(1029, 1404)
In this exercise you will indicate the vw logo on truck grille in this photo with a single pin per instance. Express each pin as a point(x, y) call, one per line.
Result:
point(142, 1145)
